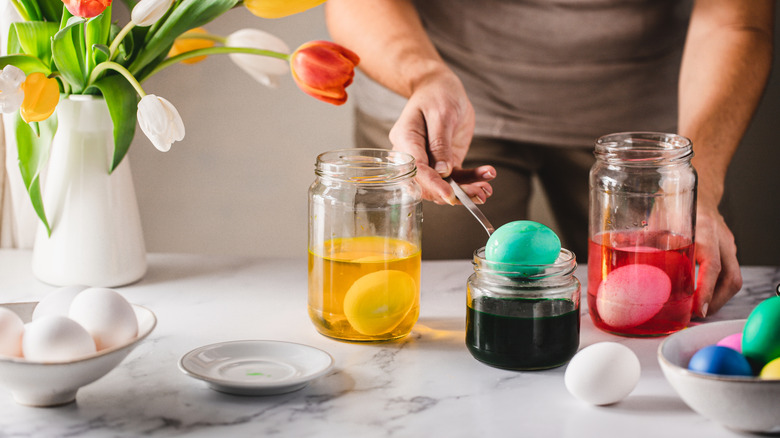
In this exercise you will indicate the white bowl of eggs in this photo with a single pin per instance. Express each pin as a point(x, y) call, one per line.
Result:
point(72, 337)
point(736, 385)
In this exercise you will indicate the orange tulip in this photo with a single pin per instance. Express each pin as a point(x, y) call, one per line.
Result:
point(41, 95)
point(279, 8)
point(323, 70)
point(182, 45)
point(86, 8)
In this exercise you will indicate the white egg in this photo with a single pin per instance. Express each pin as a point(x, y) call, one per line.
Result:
point(11, 329)
point(602, 373)
point(106, 315)
point(55, 338)
point(57, 302)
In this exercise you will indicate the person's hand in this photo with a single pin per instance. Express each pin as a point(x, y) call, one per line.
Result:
point(719, 276)
point(436, 128)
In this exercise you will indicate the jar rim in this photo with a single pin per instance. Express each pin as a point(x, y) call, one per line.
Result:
point(565, 264)
point(366, 165)
point(644, 148)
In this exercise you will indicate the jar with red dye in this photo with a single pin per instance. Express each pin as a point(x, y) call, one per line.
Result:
point(642, 226)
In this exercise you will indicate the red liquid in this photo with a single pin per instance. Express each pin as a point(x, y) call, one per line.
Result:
point(669, 252)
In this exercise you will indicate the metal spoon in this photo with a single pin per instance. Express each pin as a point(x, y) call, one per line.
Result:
point(468, 203)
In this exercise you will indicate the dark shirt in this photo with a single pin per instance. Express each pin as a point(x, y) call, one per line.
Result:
point(556, 72)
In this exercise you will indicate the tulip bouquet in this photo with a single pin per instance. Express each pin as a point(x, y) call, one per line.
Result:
point(64, 47)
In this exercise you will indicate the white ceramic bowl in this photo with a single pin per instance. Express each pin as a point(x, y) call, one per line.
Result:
point(741, 403)
point(51, 384)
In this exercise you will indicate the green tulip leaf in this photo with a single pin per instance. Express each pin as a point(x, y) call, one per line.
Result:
point(187, 14)
point(122, 102)
point(28, 64)
point(30, 10)
point(66, 16)
point(33, 149)
point(32, 38)
point(13, 46)
point(96, 32)
point(100, 53)
point(67, 48)
point(51, 9)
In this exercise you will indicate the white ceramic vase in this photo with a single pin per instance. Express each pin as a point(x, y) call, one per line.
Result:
point(96, 236)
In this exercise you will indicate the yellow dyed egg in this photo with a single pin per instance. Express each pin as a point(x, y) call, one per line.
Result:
point(771, 370)
point(378, 302)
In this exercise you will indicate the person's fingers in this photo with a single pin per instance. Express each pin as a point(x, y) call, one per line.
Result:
point(474, 182)
point(436, 127)
point(478, 191)
point(709, 270)
point(730, 278)
point(409, 135)
point(434, 188)
point(719, 276)
point(440, 129)
point(479, 174)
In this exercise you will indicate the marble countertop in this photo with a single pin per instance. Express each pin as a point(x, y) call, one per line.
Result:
point(426, 384)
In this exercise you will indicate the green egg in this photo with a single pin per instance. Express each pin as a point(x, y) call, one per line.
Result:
point(761, 334)
point(523, 243)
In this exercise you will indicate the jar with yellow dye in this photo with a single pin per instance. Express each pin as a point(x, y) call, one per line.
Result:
point(365, 221)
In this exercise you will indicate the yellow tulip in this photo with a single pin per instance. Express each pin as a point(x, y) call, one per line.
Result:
point(279, 8)
point(41, 95)
point(182, 45)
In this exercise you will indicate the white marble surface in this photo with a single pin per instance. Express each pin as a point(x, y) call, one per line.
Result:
point(425, 385)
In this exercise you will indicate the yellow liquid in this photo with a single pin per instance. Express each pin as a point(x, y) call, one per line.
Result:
point(379, 310)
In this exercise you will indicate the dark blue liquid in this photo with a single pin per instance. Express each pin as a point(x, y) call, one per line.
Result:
point(522, 334)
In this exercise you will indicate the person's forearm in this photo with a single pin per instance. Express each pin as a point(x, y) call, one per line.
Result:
point(388, 36)
point(726, 63)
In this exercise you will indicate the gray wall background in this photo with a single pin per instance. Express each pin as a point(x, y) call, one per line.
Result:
point(238, 182)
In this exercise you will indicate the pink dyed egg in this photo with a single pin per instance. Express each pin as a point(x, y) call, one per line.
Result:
point(732, 341)
point(631, 295)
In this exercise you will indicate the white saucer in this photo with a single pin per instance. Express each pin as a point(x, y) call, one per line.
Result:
point(256, 367)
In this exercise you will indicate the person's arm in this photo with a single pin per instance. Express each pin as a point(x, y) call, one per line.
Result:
point(726, 64)
point(437, 124)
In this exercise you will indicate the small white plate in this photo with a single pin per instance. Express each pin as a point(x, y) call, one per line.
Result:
point(256, 367)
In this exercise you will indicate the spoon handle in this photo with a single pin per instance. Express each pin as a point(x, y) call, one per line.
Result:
point(468, 203)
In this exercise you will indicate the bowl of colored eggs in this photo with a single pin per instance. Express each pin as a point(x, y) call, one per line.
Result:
point(729, 371)
point(72, 337)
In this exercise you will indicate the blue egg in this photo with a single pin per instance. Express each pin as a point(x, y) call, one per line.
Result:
point(523, 243)
point(716, 359)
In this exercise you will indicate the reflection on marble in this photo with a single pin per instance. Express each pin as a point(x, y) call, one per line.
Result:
point(426, 384)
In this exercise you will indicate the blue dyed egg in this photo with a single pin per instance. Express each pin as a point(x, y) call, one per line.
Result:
point(523, 243)
point(716, 359)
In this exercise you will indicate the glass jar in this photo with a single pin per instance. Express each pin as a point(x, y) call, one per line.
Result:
point(365, 221)
point(642, 222)
point(523, 317)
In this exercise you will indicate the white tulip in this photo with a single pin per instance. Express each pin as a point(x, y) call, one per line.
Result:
point(147, 12)
point(11, 93)
point(264, 69)
point(160, 121)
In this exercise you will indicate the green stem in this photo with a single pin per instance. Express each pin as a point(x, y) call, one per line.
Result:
point(118, 40)
point(121, 70)
point(215, 51)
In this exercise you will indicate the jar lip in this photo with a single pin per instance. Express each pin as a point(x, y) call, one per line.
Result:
point(366, 165)
point(564, 265)
point(643, 148)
